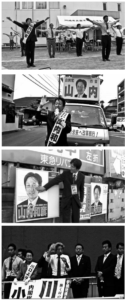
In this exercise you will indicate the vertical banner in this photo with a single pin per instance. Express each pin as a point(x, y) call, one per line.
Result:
point(29, 203)
point(99, 194)
point(85, 211)
point(41, 289)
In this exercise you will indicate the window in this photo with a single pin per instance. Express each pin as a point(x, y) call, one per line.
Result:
point(27, 5)
point(111, 201)
point(54, 5)
point(111, 210)
point(17, 5)
point(119, 6)
point(122, 199)
point(104, 6)
point(122, 209)
point(41, 5)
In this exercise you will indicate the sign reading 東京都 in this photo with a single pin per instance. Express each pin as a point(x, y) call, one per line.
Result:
point(81, 87)
point(30, 204)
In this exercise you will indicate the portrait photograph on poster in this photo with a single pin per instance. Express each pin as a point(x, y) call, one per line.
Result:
point(99, 193)
point(29, 203)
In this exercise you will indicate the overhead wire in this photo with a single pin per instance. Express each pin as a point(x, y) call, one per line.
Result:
point(54, 86)
point(38, 85)
point(44, 87)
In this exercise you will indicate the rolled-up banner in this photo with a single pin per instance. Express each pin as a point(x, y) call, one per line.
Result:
point(28, 32)
point(57, 129)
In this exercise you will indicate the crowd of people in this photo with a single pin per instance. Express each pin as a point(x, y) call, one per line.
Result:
point(28, 38)
point(54, 263)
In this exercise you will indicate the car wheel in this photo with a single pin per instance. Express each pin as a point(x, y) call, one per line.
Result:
point(122, 128)
point(34, 123)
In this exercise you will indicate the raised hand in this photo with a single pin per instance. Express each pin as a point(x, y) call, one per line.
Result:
point(9, 19)
point(47, 18)
point(40, 189)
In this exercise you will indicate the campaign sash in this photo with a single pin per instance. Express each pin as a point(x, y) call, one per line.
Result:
point(57, 129)
point(28, 32)
point(29, 271)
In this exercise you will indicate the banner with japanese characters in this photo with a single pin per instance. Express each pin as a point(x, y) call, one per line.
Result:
point(85, 211)
point(81, 87)
point(31, 204)
point(41, 289)
point(99, 195)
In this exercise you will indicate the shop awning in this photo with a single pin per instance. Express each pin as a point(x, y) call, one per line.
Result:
point(72, 21)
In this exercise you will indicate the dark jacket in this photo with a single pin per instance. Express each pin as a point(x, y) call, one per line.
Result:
point(81, 270)
point(39, 201)
point(63, 137)
point(46, 271)
point(67, 179)
point(23, 270)
point(84, 95)
point(32, 36)
point(107, 268)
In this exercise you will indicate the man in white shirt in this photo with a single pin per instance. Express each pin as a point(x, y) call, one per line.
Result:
point(59, 262)
point(119, 38)
point(119, 269)
point(106, 36)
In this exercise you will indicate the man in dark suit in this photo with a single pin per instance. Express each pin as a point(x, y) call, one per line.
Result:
point(81, 86)
point(105, 271)
point(80, 267)
point(119, 269)
point(30, 43)
point(73, 192)
point(45, 270)
point(31, 181)
point(52, 118)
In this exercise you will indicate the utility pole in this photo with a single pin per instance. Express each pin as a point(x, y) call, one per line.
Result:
point(59, 86)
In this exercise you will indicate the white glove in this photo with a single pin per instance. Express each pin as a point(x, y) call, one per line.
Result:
point(27, 281)
point(15, 281)
point(63, 124)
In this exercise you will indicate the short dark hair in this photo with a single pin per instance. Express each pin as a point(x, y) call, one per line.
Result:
point(22, 250)
point(76, 162)
point(97, 187)
point(29, 251)
point(12, 245)
point(62, 99)
point(119, 244)
point(79, 244)
point(105, 17)
point(78, 24)
point(58, 245)
point(28, 19)
point(107, 242)
point(83, 81)
point(35, 175)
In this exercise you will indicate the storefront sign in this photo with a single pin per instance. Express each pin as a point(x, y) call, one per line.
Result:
point(30, 204)
point(85, 211)
point(81, 87)
point(92, 161)
point(99, 194)
point(41, 289)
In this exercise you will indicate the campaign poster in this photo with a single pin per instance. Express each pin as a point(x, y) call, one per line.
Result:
point(85, 211)
point(41, 289)
point(30, 204)
point(81, 87)
point(99, 194)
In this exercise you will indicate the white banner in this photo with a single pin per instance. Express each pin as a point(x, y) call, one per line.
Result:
point(81, 87)
point(99, 193)
point(41, 289)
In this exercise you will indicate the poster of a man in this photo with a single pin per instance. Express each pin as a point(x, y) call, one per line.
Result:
point(98, 198)
point(81, 87)
point(32, 206)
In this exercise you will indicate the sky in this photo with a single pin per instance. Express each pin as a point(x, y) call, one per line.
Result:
point(25, 88)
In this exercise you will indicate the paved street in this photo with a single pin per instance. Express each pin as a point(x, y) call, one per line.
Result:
point(35, 136)
point(64, 60)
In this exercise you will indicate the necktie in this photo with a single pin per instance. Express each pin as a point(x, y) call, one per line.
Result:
point(58, 267)
point(78, 259)
point(74, 177)
point(107, 26)
point(51, 33)
point(118, 268)
point(10, 264)
point(104, 258)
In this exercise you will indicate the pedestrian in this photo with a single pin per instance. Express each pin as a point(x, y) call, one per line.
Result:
point(105, 27)
point(58, 124)
point(73, 192)
point(28, 270)
point(11, 38)
point(51, 39)
point(80, 267)
point(119, 38)
point(29, 38)
point(45, 270)
point(80, 38)
point(119, 270)
point(59, 262)
point(11, 267)
point(105, 268)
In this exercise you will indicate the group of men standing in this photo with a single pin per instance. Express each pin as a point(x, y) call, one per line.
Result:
point(54, 263)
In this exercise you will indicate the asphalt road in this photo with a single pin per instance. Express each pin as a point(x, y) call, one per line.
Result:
point(35, 136)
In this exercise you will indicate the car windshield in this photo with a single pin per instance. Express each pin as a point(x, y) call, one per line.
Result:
point(89, 116)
